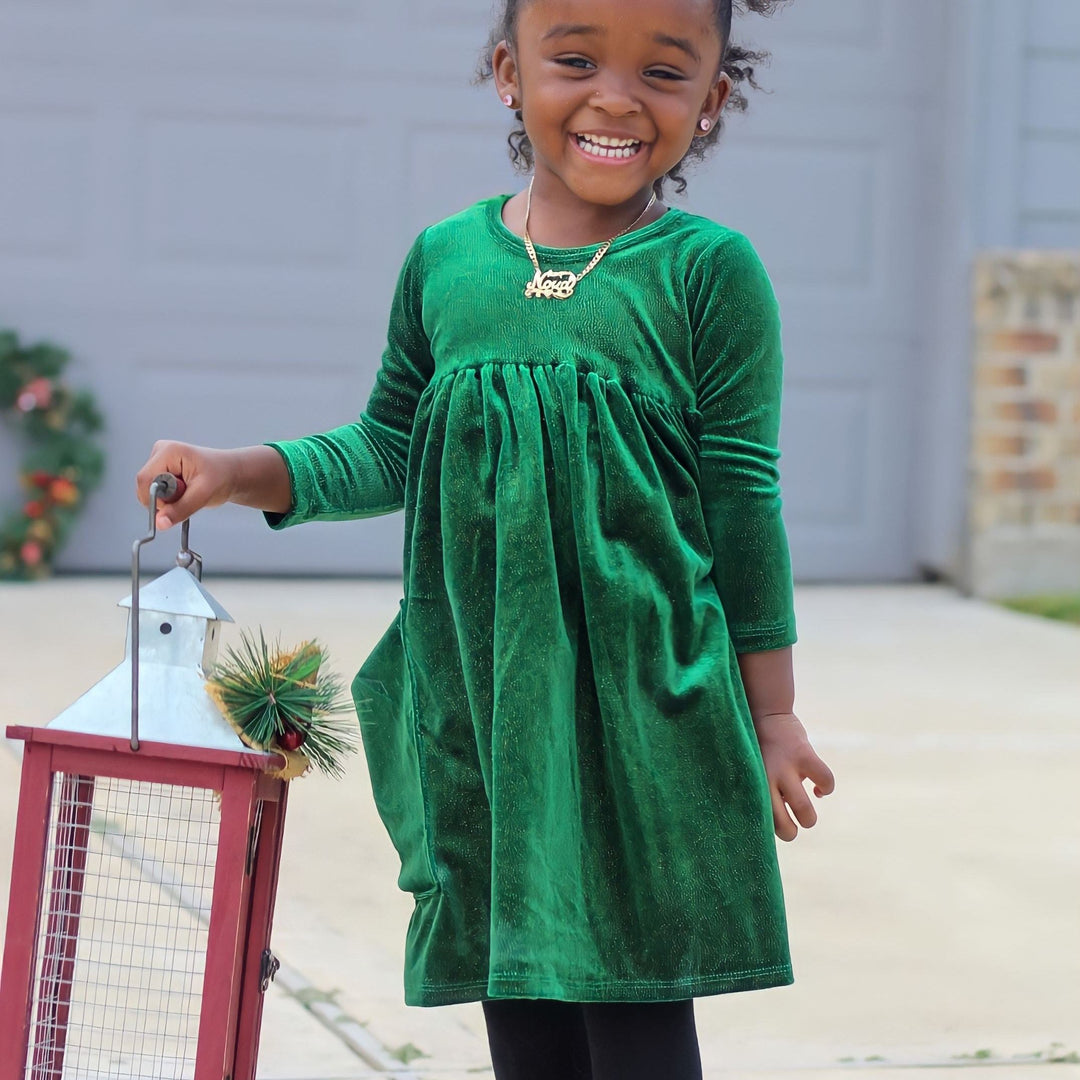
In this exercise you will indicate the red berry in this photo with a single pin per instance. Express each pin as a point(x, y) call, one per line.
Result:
point(291, 739)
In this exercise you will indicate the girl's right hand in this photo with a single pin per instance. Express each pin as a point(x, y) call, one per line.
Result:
point(210, 477)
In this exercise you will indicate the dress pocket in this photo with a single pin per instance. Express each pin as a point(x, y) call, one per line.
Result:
point(382, 694)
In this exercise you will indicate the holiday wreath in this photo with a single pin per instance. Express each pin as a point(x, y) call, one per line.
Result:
point(64, 462)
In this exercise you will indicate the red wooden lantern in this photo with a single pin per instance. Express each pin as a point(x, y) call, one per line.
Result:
point(145, 865)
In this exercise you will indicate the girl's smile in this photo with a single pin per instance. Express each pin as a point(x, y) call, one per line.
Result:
point(608, 149)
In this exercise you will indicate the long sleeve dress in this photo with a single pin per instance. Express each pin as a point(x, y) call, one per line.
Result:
point(555, 725)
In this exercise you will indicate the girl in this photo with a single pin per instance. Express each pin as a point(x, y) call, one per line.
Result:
point(579, 728)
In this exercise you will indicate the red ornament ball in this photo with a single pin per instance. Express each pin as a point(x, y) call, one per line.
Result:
point(291, 739)
point(31, 553)
point(63, 491)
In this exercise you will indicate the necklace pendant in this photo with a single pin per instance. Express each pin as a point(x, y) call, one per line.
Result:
point(552, 285)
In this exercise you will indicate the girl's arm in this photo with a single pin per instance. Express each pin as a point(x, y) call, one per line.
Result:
point(738, 361)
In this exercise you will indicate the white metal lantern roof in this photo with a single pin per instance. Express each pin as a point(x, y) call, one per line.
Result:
point(179, 593)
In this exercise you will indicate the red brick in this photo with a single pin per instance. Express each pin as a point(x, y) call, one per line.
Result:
point(996, 375)
point(1042, 411)
point(1023, 480)
point(1001, 445)
point(1025, 341)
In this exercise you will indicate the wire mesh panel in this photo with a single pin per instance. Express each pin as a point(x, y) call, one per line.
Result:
point(125, 912)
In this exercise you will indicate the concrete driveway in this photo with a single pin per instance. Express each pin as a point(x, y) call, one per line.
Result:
point(934, 909)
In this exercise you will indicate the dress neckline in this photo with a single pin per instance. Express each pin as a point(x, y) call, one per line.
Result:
point(511, 240)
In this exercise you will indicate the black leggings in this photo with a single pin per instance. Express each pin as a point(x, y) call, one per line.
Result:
point(559, 1040)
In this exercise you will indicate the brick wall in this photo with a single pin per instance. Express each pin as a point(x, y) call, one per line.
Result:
point(1024, 480)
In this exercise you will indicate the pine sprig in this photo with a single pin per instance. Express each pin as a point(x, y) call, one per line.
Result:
point(276, 699)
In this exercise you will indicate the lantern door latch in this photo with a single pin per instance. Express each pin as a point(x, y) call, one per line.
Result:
point(267, 970)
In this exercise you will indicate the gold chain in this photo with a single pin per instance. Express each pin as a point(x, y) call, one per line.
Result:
point(560, 284)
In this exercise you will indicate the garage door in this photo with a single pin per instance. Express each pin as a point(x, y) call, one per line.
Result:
point(208, 201)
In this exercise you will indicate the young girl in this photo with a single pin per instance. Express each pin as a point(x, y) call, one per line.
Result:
point(579, 728)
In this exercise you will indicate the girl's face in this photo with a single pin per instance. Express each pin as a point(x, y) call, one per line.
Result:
point(590, 72)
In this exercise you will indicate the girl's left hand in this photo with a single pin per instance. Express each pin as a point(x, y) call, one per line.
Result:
point(789, 760)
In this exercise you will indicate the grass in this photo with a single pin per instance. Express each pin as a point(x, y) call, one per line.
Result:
point(408, 1053)
point(1055, 1054)
point(1062, 606)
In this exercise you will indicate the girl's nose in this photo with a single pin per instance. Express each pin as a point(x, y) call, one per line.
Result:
point(615, 99)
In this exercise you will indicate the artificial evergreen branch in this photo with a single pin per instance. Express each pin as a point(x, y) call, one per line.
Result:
point(282, 701)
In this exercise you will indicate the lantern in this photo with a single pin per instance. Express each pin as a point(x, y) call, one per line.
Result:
point(145, 866)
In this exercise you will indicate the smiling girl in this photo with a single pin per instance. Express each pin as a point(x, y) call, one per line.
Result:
point(579, 728)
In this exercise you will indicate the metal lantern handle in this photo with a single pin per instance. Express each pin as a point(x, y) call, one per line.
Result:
point(164, 488)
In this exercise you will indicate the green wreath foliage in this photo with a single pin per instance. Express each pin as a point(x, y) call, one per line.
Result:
point(64, 461)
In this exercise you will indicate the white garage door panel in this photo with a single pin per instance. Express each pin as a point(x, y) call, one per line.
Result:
point(301, 12)
point(842, 533)
point(209, 200)
point(451, 169)
point(837, 24)
point(838, 222)
point(45, 173)
point(1053, 233)
point(199, 205)
point(1050, 103)
point(828, 491)
point(809, 209)
point(845, 435)
point(1050, 185)
point(279, 39)
point(1054, 25)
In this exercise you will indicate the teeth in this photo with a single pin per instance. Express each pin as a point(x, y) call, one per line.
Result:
point(605, 140)
point(602, 146)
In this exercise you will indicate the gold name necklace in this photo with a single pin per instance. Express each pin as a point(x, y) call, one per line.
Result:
point(560, 284)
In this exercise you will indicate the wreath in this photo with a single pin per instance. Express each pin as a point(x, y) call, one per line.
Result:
point(64, 462)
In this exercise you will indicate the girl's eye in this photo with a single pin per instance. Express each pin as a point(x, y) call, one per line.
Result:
point(579, 63)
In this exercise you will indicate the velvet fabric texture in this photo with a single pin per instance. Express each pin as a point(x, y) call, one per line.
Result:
point(555, 724)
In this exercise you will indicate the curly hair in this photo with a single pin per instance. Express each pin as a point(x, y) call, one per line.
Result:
point(735, 60)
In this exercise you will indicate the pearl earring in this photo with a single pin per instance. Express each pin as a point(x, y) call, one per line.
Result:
point(508, 101)
point(704, 123)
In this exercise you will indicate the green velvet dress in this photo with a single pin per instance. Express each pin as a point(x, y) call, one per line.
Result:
point(557, 733)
